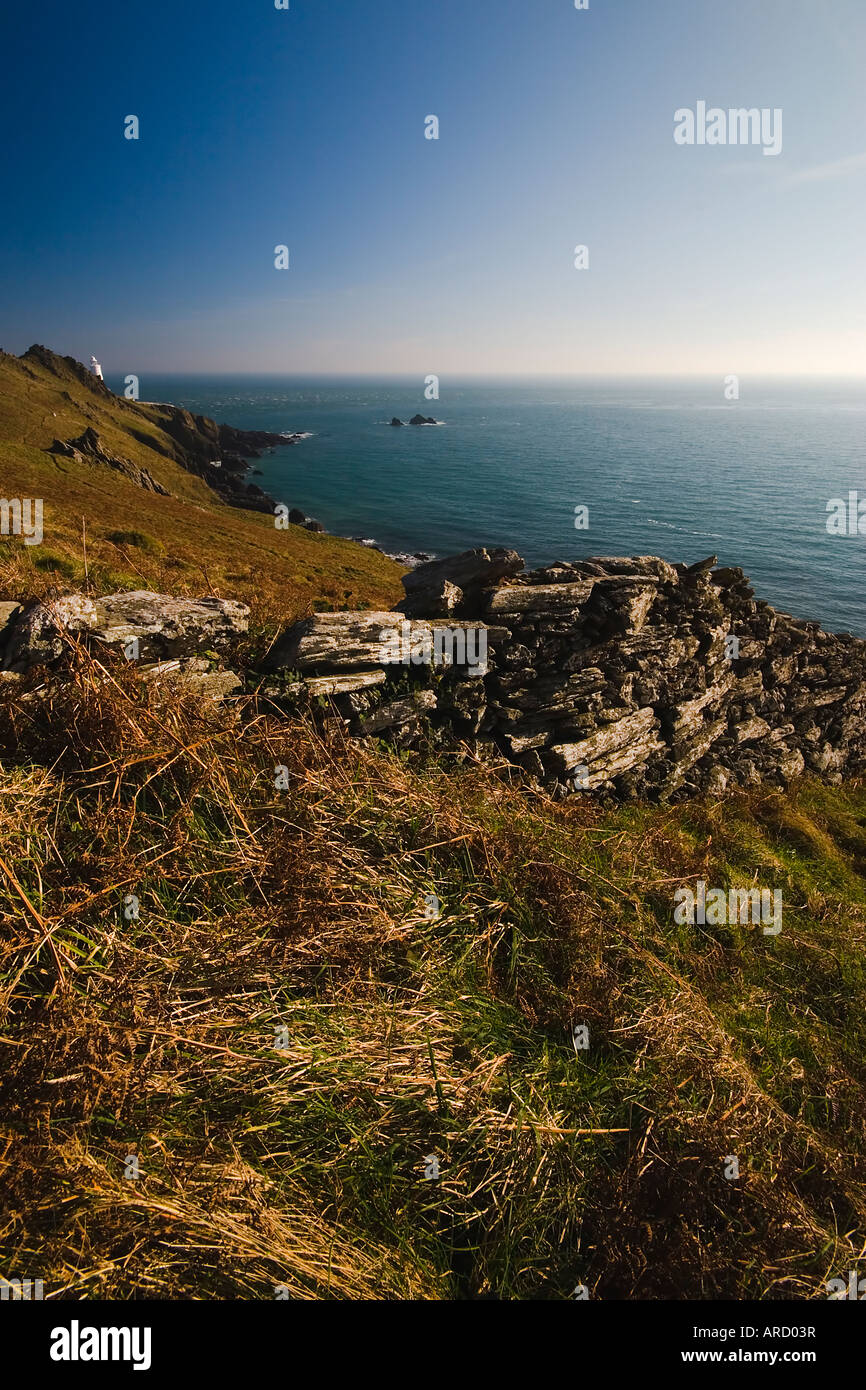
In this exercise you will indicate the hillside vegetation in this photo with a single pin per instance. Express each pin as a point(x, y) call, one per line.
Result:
point(410, 1035)
point(187, 543)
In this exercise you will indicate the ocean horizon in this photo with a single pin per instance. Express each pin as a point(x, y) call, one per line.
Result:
point(663, 466)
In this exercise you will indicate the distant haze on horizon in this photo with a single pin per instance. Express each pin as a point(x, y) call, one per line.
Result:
point(479, 378)
point(408, 257)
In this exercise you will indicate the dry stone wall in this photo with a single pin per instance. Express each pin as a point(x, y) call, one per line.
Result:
point(627, 677)
point(617, 677)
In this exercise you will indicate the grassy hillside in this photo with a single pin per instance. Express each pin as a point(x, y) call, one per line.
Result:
point(187, 543)
point(410, 1036)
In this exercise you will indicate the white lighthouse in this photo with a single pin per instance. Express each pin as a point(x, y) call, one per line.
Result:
point(95, 368)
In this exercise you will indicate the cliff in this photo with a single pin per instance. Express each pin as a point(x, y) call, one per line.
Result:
point(217, 453)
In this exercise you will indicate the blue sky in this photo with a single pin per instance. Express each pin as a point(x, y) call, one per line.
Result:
point(305, 127)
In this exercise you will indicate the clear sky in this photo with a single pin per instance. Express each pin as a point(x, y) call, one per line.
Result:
point(305, 127)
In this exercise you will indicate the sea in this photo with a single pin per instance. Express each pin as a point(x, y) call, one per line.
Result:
point(565, 469)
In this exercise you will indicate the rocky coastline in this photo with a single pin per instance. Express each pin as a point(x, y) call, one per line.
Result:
point(222, 455)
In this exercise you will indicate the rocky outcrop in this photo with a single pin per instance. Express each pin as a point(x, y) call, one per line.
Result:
point(88, 448)
point(143, 625)
point(201, 440)
point(402, 719)
point(34, 636)
point(8, 613)
point(617, 676)
point(298, 518)
point(164, 626)
point(331, 642)
point(66, 367)
point(457, 583)
point(423, 420)
point(219, 455)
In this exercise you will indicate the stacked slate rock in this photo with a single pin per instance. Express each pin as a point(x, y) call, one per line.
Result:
point(617, 677)
point(626, 677)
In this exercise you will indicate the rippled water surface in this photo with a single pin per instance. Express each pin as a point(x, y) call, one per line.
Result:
point(665, 468)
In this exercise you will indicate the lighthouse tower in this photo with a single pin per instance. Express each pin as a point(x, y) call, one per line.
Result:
point(95, 368)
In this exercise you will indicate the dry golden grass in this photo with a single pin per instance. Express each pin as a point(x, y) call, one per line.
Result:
point(407, 1037)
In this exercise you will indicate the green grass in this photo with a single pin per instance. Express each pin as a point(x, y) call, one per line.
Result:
point(140, 540)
